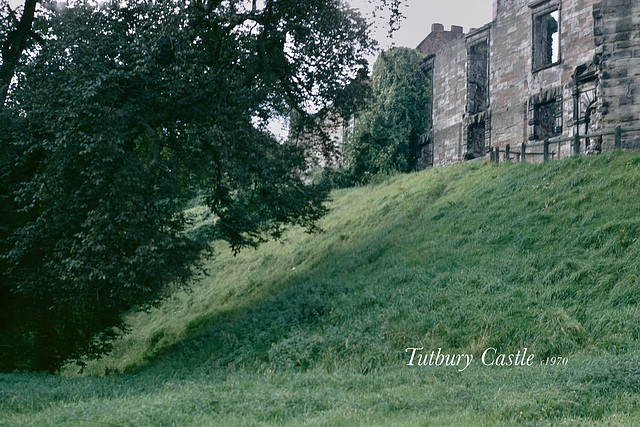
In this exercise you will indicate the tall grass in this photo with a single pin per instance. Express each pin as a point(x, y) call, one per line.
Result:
point(313, 330)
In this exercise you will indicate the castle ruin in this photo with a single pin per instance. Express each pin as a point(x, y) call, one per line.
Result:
point(541, 69)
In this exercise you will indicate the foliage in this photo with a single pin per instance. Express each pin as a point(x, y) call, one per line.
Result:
point(123, 113)
point(388, 132)
point(318, 131)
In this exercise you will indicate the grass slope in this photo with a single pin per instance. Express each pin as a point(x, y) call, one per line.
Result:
point(313, 330)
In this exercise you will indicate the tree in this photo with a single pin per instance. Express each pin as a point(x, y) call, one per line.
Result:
point(115, 119)
point(16, 40)
point(388, 131)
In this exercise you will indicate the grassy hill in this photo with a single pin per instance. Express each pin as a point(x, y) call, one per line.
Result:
point(313, 330)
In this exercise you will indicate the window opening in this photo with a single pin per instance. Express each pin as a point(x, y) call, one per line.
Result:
point(476, 140)
point(546, 39)
point(478, 77)
point(547, 119)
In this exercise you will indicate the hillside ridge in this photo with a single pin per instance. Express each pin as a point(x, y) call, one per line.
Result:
point(315, 329)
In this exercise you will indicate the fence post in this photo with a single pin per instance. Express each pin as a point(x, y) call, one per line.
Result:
point(545, 150)
point(576, 144)
point(523, 157)
point(507, 153)
point(497, 155)
point(618, 137)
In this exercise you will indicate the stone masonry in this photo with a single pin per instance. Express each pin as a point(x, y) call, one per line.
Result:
point(541, 69)
point(438, 38)
point(617, 39)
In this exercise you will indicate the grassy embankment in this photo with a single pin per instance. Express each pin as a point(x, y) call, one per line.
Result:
point(313, 330)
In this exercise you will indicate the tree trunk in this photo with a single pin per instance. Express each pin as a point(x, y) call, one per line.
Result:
point(14, 46)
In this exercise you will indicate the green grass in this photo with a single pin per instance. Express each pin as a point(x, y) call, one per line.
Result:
point(313, 330)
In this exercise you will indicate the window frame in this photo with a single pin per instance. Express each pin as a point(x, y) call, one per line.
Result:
point(538, 10)
point(534, 112)
point(477, 109)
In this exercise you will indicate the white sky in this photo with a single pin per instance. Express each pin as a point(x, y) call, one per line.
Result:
point(420, 14)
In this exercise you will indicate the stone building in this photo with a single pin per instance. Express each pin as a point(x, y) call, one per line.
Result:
point(541, 69)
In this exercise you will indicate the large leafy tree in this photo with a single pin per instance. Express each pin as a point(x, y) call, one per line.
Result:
point(388, 131)
point(114, 116)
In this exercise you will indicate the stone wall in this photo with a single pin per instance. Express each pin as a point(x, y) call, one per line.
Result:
point(516, 82)
point(438, 38)
point(541, 53)
point(449, 99)
point(617, 37)
point(510, 65)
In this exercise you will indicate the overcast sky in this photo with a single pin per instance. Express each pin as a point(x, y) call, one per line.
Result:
point(420, 14)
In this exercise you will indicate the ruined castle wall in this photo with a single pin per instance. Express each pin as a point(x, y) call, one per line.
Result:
point(510, 65)
point(618, 39)
point(449, 100)
point(438, 38)
point(515, 82)
point(578, 40)
point(578, 48)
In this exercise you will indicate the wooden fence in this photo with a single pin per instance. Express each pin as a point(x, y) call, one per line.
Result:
point(550, 148)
